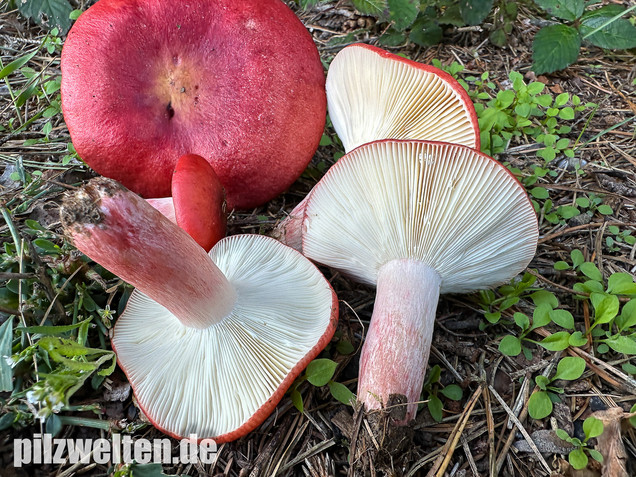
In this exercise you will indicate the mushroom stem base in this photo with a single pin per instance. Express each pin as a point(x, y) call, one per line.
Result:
point(397, 345)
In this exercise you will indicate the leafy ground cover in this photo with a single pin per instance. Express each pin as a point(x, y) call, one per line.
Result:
point(537, 376)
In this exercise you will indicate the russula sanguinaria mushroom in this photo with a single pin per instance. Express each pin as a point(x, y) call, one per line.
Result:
point(373, 94)
point(197, 204)
point(239, 83)
point(209, 342)
point(415, 219)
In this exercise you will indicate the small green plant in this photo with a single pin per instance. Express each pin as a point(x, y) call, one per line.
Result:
point(39, 94)
point(540, 404)
point(592, 427)
point(422, 22)
point(509, 295)
point(48, 13)
point(320, 372)
point(557, 46)
point(432, 387)
point(612, 327)
point(561, 214)
point(619, 237)
point(523, 112)
point(526, 110)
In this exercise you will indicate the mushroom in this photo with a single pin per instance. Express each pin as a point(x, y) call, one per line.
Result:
point(415, 219)
point(209, 342)
point(239, 83)
point(373, 94)
point(197, 204)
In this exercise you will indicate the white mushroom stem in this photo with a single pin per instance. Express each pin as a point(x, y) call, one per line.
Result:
point(126, 235)
point(397, 345)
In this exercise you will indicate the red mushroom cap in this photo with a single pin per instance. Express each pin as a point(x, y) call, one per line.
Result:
point(239, 83)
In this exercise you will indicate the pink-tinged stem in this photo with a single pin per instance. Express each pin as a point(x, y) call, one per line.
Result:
point(397, 345)
point(290, 231)
point(122, 232)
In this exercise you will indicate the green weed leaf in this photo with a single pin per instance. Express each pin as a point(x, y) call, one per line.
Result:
point(344, 347)
point(554, 48)
point(541, 297)
point(592, 427)
point(591, 271)
point(619, 34)
point(510, 345)
point(577, 257)
point(492, 317)
point(622, 344)
point(621, 284)
point(55, 12)
point(570, 368)
point(452, 392)
point(435, 407)
point(377, 8)
point(522, 321)
point(556, 342)
point(539, 192)
point(6, 338)
point(52, 330)
point(627, 318)
point(320, 371)
point(563, 435)
point(596, 455)
point(577, 339)
point(606, 309)
point(16, 64)
point(403, 13)
point(539, 405)
point(341, 392)
point(475, 11)
point(564, 9)
point(578, 459)
point(541, 315)
point(297, 400)
point(425, 32)
point(563, 318)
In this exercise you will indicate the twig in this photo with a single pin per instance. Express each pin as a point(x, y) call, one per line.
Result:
point(547, 238)
point(469, 457)
point(521, 429)
point(522, 416)
point(441, 463)
point(322, 446)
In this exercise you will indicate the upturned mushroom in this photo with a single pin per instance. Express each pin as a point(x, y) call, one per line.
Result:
point(197, 204)
point(415, 219)
point(209, 342)
point(373, 94)
point(239, 83)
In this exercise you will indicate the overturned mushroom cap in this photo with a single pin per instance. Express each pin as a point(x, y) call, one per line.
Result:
point(448, 205)
point(224, 380)
point(416, 219)
point(373, 94)
point(224, 334)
